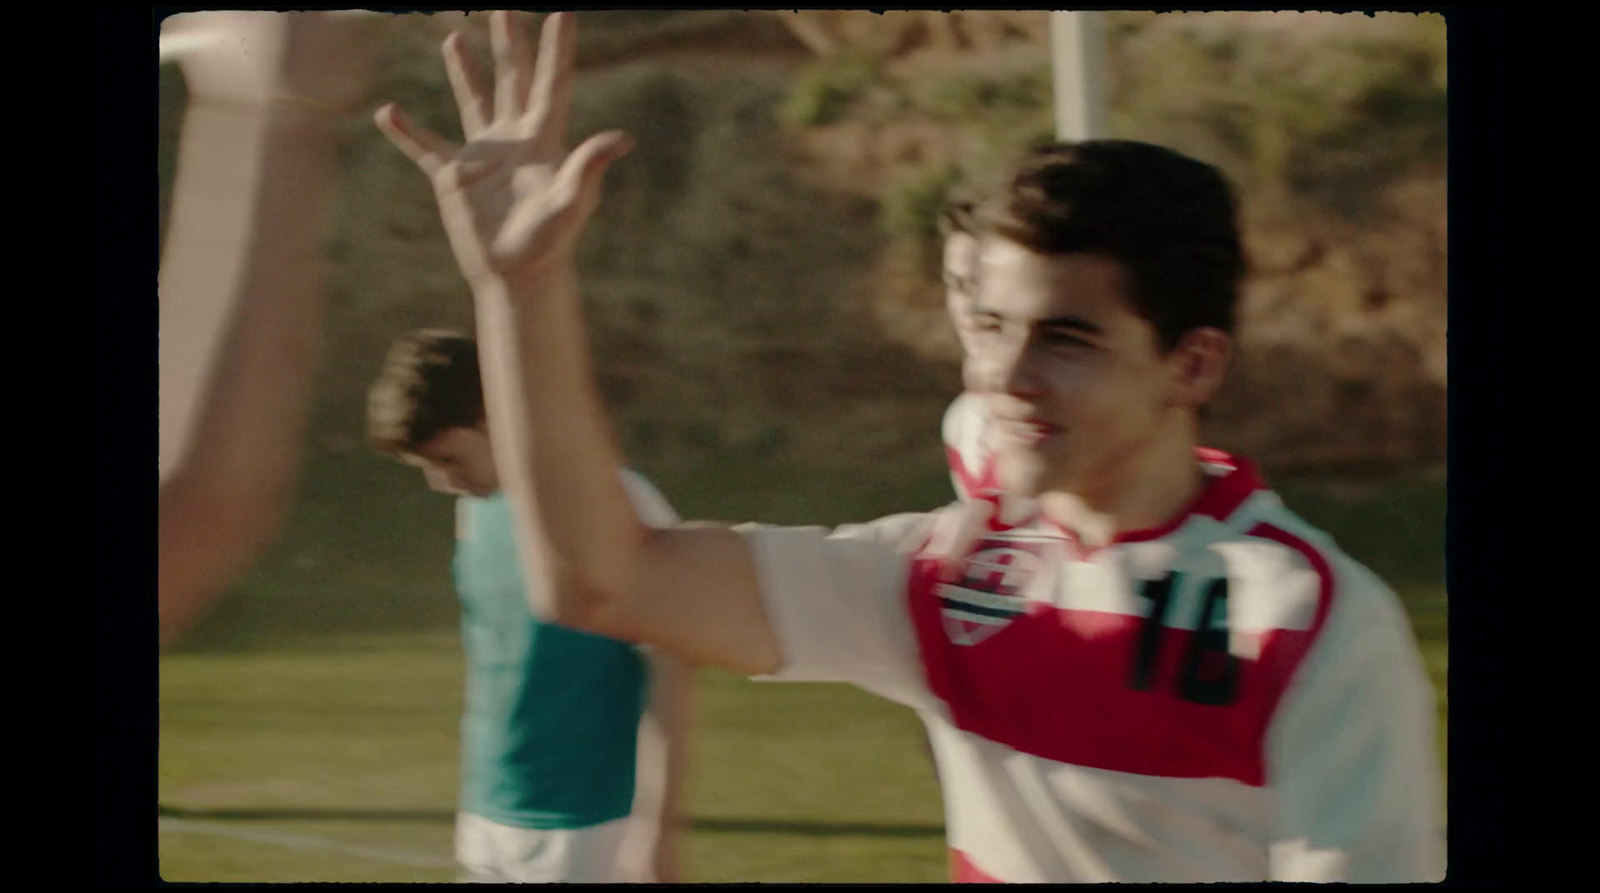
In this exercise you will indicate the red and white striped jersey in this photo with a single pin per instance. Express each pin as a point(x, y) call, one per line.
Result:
point(1226, 698)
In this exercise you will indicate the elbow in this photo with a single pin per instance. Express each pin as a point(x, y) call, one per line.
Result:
point(587, 590)
point(204, 543)
point(236, 521)
point(571, 604)
point(579, 604)
point(247, 510)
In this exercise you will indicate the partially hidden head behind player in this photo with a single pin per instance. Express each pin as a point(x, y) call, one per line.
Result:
point(427, 409)
point(964, 429)
point(959, 254)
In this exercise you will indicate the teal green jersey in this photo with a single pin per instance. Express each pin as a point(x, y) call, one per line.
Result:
point(552, 714)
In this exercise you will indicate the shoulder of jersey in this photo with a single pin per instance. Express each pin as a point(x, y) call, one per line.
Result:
point(1290, 555)
point(904, 533)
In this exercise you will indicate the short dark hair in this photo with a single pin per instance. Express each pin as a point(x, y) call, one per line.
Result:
point(1171, 221)
point(430, 384)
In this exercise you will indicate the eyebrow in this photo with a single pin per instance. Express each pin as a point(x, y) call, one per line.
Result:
point(1074, 323)
point(1069, 323)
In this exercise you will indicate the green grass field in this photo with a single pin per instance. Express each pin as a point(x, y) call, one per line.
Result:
point(308, 729)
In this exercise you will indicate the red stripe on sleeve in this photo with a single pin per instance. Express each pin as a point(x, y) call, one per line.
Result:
point(1294, 648)
point(962, 871)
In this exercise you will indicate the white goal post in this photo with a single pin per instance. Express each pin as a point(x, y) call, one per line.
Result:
point(1078, 58)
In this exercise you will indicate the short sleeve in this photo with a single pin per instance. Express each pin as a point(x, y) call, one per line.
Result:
point(653, 508)
point(1352, 755)
point(837, 603)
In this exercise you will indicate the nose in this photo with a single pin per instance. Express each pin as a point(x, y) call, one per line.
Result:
point(1010, 369)
point(1021, 372)
point(440, 481)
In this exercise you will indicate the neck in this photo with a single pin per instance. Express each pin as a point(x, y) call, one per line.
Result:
point(1144, 492)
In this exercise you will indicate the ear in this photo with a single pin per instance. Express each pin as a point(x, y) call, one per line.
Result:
point(1199, 362)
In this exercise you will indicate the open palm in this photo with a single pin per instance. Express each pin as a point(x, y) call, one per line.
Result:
point(512, 198)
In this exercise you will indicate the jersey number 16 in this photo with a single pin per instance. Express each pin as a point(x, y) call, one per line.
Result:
point(1209, 673)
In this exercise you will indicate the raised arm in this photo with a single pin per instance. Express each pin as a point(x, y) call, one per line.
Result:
point(514, 202)
point(258, 159)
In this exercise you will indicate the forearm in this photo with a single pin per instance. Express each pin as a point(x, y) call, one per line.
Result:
point(250, 413)
point(213, 198)
point(199, 549)
point(227, 492)
point(554, 449)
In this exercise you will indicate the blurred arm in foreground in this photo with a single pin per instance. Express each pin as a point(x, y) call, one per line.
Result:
point(269, 96)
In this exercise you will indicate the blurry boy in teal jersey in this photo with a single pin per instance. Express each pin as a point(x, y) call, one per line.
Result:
point(572, 744)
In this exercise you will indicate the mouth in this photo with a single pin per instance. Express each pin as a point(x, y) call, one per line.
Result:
point(1030, 432)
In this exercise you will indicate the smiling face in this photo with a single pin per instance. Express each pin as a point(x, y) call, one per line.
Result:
point(1076, 385)
point(1107, 280)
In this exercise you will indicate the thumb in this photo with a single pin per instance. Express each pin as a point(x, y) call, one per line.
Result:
point(584, 170)
point(555, 218)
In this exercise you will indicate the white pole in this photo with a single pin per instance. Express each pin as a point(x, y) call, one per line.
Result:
point(1077, 52)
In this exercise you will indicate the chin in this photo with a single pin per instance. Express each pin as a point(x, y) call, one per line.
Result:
point(1022, 476)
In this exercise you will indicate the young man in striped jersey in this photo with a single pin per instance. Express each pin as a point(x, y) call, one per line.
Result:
point(1160, 675)
point(572, 744)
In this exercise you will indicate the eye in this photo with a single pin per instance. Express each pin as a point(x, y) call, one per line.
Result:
point(985, 322)
point(1064, 339)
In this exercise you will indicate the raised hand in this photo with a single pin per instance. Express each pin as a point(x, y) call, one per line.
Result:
point(512, 198)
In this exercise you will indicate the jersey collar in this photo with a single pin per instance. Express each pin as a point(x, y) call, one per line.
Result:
point(1230, 481)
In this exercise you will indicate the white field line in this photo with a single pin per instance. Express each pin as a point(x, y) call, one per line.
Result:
point(301, 841)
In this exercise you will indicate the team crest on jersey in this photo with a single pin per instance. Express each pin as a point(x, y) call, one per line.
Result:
point(989, 594)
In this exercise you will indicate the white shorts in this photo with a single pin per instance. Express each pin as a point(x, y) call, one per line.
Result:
point(490, 853)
